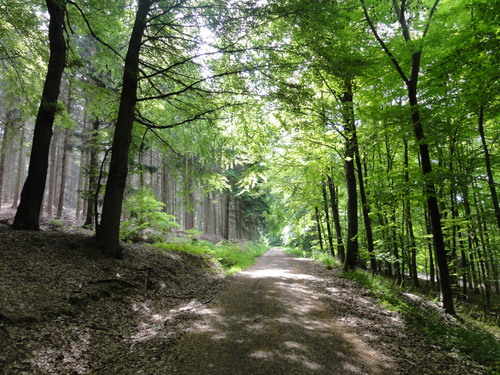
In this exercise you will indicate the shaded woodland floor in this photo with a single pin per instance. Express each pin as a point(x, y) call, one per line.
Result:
point(64, 309)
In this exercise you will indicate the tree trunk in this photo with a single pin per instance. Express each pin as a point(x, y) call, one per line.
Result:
point(487, 161)
point(108, 233)
point(64, 169)
point(225, 215)
point(327, 218)
point(336, 218)
point(350, 173)
point(432, 202)
point(20, 169)
point(430, 191)
point(364, 205)
point(28, 212)
point(408, 220)
point(318, 227)
point(3, 151)
point(92, 176)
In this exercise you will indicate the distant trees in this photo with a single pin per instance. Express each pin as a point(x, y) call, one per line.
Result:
point(357, 127)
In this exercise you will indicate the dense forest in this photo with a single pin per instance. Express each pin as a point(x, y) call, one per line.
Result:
point(368, 130)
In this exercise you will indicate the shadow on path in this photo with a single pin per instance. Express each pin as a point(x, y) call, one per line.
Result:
point(269, 321)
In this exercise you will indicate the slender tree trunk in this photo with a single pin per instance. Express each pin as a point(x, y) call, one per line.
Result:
point(352, 196)
point(92, 172)
point(28, 212)
point(487, 161)
point(4, 151)
point(408, 219)
point(318, 226)
point(364, 205)
point(108, 233)
point(336, 218)
point(65, 157)
point(327, 218)
point(64, 164)
point(430, 190)
point(20, 169)
point(225, 215)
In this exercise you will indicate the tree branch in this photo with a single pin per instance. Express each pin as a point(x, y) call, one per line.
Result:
point(384, 46)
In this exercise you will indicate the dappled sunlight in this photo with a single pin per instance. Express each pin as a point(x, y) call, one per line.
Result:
point(271, 317)
point(277, 273)
point(76, 356)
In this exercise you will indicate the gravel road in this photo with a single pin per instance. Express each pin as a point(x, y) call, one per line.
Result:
point(271, 320)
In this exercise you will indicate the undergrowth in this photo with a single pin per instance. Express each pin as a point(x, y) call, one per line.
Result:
point(467, 338)
point(232, 256)
point(326, 258)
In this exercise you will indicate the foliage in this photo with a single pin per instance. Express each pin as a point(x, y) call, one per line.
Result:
point(463, 336)
point(324, 257)
point(232, 256)
point(144, 212)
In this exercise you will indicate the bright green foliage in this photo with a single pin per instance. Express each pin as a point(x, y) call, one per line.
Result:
point(323, 257)
point(232, 256)
point(144, 212)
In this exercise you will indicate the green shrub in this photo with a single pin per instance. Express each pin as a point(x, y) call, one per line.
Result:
point(232, 256)
point(144, 212)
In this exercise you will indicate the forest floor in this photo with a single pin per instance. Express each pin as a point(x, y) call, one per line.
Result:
point(64, 309)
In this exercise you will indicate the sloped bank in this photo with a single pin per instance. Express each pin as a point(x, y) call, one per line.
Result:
point(65, 309)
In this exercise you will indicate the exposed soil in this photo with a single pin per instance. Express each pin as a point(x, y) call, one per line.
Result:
point(64, 309)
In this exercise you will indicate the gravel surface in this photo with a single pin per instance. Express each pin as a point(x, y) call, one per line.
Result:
point(64, 309)
point(289, 316)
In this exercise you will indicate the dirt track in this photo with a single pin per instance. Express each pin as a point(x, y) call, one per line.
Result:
point(270, 320)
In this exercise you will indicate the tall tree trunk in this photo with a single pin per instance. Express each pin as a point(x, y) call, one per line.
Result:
point(408, 220)
point(487, 161)
point(336, 218)
point(3, 151)
point(318, 227)
point(64, 172)
point(225, 215)
point(52, 172)
point(92, 171)
point(108, 233)
point(65, 156)
point(28, 212)
point(430, 190)
point(364, 205)
point(20, 169)
point(327, 218)
point(351, 256)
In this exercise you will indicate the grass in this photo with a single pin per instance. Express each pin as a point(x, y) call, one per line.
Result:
point(470, 339)
point(232, 256)
point(323, 257)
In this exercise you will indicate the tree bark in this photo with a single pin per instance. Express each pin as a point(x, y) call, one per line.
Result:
point(487, 161)
point(225, 215)
point(20, 170)
point(318, 228)
point(28, 212)
point(108, 233)
point(351, 256)
point(3, 151)
point(365, 207)
point(327, 218)
point(92, 176)
point(336, 218)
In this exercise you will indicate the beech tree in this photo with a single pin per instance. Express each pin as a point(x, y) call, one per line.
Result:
point(28, 212)
point(402, 12)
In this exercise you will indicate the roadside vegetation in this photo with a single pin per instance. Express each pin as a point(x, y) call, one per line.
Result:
point(232, 256)
point(473, 335)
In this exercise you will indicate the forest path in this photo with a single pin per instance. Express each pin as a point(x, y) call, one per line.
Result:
point(271, 319)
